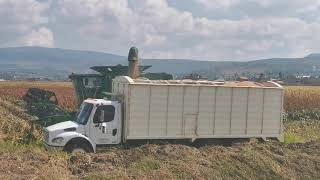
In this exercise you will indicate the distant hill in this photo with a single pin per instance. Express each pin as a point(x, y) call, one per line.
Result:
point(53, 58)
point(62, 60)
point(314, 55)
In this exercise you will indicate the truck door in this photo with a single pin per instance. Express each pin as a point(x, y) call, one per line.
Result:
point(104, 127)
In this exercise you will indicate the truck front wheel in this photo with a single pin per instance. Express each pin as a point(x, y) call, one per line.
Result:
point(78, 146)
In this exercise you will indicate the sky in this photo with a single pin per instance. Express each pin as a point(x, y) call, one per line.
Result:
point(214, 30)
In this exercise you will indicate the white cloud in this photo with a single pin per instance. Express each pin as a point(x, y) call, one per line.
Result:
point(41, 37)
point(162, 31)
point(153, 40)
point(215, 4)
point(21, 21)
point(289, 4)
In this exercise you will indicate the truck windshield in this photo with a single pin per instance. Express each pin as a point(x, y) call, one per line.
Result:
point(84, 113)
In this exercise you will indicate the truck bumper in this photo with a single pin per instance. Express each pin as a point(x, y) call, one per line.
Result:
point(53, 148)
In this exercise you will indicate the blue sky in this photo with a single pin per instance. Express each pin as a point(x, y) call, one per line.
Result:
point(189, 29)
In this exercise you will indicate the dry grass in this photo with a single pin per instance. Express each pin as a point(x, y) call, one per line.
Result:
point(17, 125)
point(253, 160)
point(299, 98)
point(32, 162)
point(302, 102)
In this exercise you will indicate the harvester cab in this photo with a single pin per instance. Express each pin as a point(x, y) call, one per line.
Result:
point(93, 85)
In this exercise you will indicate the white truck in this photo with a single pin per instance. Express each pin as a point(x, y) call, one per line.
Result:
point(142, 109)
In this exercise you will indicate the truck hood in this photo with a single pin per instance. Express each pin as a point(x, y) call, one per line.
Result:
point(67, 125)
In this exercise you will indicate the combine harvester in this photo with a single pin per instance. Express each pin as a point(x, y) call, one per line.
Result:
point(140, 109)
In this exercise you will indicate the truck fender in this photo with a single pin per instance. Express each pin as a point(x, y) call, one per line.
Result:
point(72, 136)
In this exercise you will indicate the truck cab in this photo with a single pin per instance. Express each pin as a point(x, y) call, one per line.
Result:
point(97, 124)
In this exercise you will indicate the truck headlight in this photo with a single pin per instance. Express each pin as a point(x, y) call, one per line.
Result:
point(57, 140)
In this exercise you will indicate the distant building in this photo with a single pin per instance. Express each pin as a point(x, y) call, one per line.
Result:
point(303, 77)
point(37, 79)
point(1, 80)
point(302, 80)
point(242, 78)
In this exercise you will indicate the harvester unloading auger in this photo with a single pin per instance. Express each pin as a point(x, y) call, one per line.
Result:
point(44, 104)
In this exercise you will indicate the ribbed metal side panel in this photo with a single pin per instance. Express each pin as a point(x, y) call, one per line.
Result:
point(272, 111)
point(239, 111)
point(190, 116)
point(175, 111)
point(139, 110)
point(255, 111)
point(158, 111)
point(192, 111)
point(223, 111)
point(206, 111)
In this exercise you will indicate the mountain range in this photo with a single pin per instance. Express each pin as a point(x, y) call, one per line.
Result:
point(53, 60)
